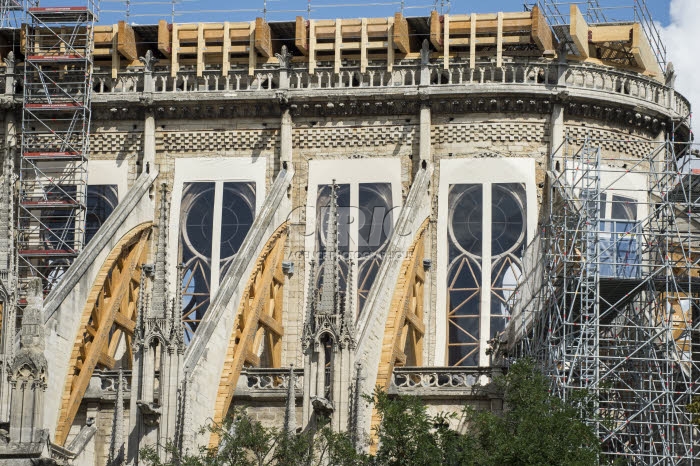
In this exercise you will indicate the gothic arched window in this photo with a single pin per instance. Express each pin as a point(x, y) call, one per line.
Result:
point(486, 236)
point(215, 218)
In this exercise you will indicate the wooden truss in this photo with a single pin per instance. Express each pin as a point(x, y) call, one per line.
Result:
point(524, 33)
point(404, 330)
point(621, 45)
point(258, 324)
point(108, 318)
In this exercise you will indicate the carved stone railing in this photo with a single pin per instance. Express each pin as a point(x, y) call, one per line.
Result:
point(438, 381)
point(257, 382)
point(125, 82)
point(103, 384)
point(625, 84)
point(542, 73)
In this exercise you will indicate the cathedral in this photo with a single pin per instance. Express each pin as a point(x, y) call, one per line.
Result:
point(282, 216)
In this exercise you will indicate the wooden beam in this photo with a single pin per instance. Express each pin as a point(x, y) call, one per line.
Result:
point(542, 35)
point(446, 42)
point(472, 42)
point(164, 38)
point(263, 38)
point(252, 54)
point(610, 33)
point(174, 63)
point(127, 42)
point(201, 46)
point(390, 46)
point(642, 53)
point(337, 45)
point(271, 324)
point(107, 361)
point(499, 41)
point(435, 30)
point(301, 36)
point(312, 46)
point(226, 50)
point(579, 31)
point(115, 53)
point(363, 46)
point(402, 41)
point(126, 323)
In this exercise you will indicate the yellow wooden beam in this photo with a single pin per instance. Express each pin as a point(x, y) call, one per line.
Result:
point(446, 42)
point(579, 31)
point(435, 30)
point(175, 55)
point(263, 38)
point(499, 41)
point(472, 41)
point(401, 37)
point(301, 38)
point(164, 39)
point(312, 46)
point(542, 34)
point(642, 53)
point(127, 41)
point(252, 54)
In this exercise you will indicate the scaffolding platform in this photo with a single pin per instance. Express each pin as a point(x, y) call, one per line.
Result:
point(64, 14)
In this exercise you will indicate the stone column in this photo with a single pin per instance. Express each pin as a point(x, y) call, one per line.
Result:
point(425, 147)
point(149, 142)
point(286, 138)
point(557, 128)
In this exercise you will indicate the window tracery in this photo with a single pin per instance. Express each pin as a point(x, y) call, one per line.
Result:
point(232, 204)
point(485, 245)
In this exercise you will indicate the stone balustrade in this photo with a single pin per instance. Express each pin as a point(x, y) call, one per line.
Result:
point(255, 382)
point(104, 383)
point(437, 381)
point(541, 74)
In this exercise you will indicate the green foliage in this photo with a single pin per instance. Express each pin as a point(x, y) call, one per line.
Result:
point(534, 428)
point(694, 409)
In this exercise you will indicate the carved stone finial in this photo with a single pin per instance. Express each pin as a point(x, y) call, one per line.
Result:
point(149, 61)
point(10, 59)
point(284, 57)
point(425, 53)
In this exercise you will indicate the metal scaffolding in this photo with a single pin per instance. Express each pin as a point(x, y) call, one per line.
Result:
point(610, 299)
point(55, 140)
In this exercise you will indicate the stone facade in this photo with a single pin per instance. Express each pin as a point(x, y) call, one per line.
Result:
point(415, 123)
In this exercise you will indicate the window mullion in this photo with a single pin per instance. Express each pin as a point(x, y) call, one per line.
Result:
point(485, 308)
point(216, 237)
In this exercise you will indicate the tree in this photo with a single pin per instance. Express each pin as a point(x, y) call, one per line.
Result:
point(534, 428)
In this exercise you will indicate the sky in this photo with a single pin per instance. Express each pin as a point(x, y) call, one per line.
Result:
point(678, 21)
